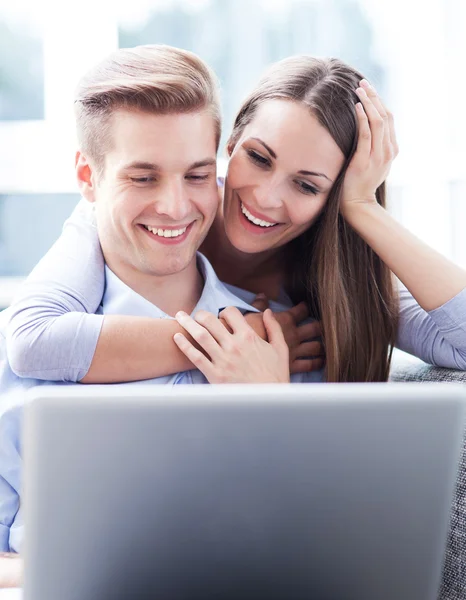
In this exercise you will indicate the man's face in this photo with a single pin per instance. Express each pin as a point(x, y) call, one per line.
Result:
point(157, 197)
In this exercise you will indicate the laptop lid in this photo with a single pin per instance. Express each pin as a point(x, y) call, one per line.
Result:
point(338, 492)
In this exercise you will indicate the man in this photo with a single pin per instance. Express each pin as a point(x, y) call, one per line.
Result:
point(149, 127)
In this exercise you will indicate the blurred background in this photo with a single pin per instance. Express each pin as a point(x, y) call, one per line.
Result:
point(414, 52)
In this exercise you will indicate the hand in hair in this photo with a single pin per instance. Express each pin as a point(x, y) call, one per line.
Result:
point(234, 353)
point(376, 149)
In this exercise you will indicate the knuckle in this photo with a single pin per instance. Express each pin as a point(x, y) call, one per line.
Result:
point(249, 336)
point(233, 349)
point(228, 311)
point(202, 316)
point(202, 336)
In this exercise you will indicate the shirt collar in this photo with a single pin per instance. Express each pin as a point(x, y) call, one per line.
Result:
point(121, 299)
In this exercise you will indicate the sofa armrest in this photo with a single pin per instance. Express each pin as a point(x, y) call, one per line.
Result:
point(453, 582)
point(408, 368)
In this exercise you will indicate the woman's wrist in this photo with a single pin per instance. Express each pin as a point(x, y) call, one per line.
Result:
point(358, 213)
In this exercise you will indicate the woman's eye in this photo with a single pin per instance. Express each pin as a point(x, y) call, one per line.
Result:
point(258, 158)
point(306, 188)
point(142, 180)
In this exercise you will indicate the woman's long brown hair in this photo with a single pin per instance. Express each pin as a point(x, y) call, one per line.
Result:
point(346, 285)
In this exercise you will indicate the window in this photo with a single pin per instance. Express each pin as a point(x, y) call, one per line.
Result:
point(417, 69)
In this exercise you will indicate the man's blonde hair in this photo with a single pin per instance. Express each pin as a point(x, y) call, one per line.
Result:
point(153, 78)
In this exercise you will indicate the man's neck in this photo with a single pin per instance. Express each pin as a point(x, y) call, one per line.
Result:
point(260, 272)
point(170, 293)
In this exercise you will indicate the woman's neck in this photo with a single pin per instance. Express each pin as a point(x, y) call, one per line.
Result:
point(263, 272)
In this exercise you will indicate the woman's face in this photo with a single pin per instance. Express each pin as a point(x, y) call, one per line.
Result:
point(279, 176)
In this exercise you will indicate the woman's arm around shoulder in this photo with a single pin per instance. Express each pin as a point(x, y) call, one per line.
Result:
point(54, 335)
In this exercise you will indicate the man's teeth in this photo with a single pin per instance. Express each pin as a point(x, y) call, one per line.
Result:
point(255, 220)
point(168, 233)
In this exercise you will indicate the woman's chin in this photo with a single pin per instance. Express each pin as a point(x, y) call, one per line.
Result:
point(248, 244)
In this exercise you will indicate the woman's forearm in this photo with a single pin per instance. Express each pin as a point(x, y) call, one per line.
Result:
point(431, 278)
point(136, 348)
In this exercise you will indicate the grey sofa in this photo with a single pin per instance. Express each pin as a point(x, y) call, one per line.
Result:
point(453, 584)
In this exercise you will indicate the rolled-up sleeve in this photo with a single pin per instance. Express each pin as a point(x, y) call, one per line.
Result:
point(439, 336)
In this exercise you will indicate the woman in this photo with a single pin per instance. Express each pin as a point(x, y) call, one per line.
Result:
point(303, 218)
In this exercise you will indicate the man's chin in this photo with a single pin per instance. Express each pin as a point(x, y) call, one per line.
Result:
point(171, 266)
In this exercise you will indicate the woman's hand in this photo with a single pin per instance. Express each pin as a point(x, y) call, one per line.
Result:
point(238, 355)
point(377, 147)
point(306, 352)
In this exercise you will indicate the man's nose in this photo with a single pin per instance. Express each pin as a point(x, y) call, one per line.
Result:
point(173, 200)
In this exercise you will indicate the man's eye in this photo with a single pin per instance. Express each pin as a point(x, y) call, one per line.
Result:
point(142, 179)
point(258, 158)
point(306, 188)
point(198, 177)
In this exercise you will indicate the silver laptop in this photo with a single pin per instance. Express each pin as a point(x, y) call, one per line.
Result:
point(322, 492)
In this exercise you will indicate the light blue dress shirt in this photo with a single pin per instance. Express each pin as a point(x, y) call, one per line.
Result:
point(118, 299)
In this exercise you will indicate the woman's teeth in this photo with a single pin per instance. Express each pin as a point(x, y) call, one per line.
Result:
point(255, 220)
point(166, 232)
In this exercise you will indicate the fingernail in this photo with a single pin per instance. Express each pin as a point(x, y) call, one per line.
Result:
point(260, 296)
point(361, 91)
point(180, 314)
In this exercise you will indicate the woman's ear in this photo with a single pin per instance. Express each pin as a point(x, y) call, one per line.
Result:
point(85, 177)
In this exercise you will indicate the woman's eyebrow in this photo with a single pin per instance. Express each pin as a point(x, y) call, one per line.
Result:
point(315, 174)
point(268, 148)
point(274, 155)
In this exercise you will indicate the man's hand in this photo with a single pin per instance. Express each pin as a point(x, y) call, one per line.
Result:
point(234, 353)
point(11, 570)
point(306, 350)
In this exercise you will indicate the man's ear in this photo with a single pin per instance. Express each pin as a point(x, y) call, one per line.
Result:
point(85, 177)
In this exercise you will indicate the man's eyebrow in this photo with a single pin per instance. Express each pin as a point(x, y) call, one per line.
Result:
point(148, 166)
point(315, 174)
point(207, 162)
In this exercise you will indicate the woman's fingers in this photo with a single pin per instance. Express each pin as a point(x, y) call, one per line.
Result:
point(308, 331)
point(376, 123)
point(391, 124)
point(309, 350)
point(199, 333)
point(364, 147)
point(384, 113)
point(306, 365)
point(261, 302)
point(299, 312)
